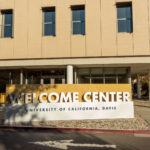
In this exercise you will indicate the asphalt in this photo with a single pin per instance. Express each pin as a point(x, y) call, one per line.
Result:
point(69, 140)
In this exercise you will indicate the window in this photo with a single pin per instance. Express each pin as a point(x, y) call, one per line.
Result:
point(124, 17)
point(78, 20)
point(49, 21)
point(6, 23)
point(102, 75)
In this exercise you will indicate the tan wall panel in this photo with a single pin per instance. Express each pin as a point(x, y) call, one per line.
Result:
point(63, 28)
point(7, 4)
point(125, 44)
point(101, 30)
point(34, 28)
point(49, 46)
point(6, 48)
point(149, 20)
point(77, 2)
point(140, 27)
point(20, 28)
point(45, 3)
point(108, 12)
point(77, 45)
point(93, 45)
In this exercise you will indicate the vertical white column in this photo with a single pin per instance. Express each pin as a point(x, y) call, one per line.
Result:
point(63, 80)
point(69, 74)
point(138, 86)
point(26, 78)
point(75, 76)
point(52, 81)
point(117, 79)
point(129, 76)
point(149, 83)
point(10, 76)
point(21, 77)
point(42, 81)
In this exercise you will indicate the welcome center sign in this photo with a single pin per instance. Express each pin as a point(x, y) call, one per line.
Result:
point(68, 102)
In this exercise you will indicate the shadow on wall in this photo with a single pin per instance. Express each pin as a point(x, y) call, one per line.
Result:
point(17, 114)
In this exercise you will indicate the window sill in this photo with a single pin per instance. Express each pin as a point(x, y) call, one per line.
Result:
point(6, 37)
point(78, 34)
point(48, 35)
point(124, 32)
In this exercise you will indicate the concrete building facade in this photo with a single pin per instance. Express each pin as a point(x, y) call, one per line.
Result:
point(103, 54)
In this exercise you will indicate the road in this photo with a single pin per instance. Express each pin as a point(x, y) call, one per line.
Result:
point(67, 140)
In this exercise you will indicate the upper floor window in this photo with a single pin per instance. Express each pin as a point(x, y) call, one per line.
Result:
point(49, 21)
point(78, 20)
point(6, 23)
point(124, 17)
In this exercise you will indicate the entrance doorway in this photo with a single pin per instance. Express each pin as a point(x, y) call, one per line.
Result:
point(54, 76)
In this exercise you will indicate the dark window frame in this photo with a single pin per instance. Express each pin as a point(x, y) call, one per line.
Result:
point(78, 7)
point(3, 25)
point(53, 10)
point(123, 5)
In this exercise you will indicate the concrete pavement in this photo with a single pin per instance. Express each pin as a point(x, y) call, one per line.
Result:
point(142, 107)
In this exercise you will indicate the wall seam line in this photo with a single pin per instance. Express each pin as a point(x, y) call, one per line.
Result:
point(100, 28)
point(148, 22)
point(116, 29)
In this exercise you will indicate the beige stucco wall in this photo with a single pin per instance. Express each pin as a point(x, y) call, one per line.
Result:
point(101, 37)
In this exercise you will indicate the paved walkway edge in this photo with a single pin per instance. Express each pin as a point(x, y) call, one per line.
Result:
point(77, 129)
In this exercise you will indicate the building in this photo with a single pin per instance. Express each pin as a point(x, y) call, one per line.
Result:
point(73, 41)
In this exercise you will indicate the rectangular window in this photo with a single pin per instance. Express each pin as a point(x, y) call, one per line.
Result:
point(101, 75)
point(49, 21)
point(78, 20)
point(124, 17)
point(6, 23)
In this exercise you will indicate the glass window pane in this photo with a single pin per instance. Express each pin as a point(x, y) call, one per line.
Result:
point(96, 80)
point(110, 79)
point(109, 71)
point(83, 71)
point(122, 26)
point(48, 16)
point(121, 12)
point(53, 16)
point(83, 76)
point(53, 29)
point(58, 81)
point(48, 29)
point(82, 15)
point(77, 28)
point(7, 31)
point(83, 28)
point(128, 12)
point(76, 15)
point(34, 77)
point(4, 79)
point(121, 70)
point(124, 16)
point(129, 25)
point(16, 77)
point(7, 18)
point(123, 79)
point(96, 71)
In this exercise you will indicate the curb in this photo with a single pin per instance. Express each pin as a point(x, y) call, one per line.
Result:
point(78, 130)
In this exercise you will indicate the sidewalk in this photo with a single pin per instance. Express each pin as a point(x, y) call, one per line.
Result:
point(142, 107)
